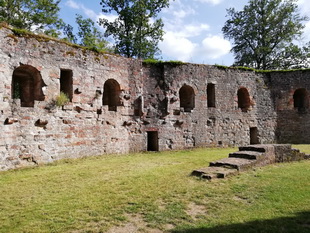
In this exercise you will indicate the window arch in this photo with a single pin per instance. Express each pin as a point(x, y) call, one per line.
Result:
point(111, 94)
point(187, 98)
point(301, 99)
point(244, 101)
point(27, 85)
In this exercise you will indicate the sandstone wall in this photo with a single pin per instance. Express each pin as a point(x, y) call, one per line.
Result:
point(157, 106)
point(293, 122)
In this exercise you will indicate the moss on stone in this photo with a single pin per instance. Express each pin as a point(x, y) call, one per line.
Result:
point(13, 37)
point(258, 71)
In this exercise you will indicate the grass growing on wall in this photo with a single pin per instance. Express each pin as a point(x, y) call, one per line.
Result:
point(97, 193)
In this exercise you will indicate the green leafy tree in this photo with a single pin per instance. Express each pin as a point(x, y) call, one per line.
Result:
point(69, 34)
point(88, 35)
point(33, 15)
point(137, 29)
point(263, 34)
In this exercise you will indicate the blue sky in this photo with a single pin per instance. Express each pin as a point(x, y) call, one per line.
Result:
point(192, 27)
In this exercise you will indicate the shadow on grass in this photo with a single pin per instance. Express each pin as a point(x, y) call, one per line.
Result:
point(299, 224)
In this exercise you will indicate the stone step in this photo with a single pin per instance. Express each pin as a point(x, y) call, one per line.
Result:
point(210, 173)
point(257, 148)
point(247, 155)
point(236, 163)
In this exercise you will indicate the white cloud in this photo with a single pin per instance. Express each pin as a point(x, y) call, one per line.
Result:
point(304, 6)
point(187, 30)
point(72, 4)
point(185, 40)
point(213, 2)
point(215, 46)
point(178, 10)
point(78, 6)
point(89, 12)
point(110, 18)
point(177, 47)
point(183, 49)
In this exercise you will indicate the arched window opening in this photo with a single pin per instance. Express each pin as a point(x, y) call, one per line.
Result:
point(244, 101)
point(301, 99)
point(27, 85)
point(211, 95)
point(111, 94)
point(66, 83)
point(187, 98)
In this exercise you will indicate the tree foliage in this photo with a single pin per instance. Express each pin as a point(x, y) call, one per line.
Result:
point(32, 15)
point(264, 32)
point(136, 30)
point(88, 35)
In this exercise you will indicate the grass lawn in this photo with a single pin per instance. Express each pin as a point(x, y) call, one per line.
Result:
point(153, 192)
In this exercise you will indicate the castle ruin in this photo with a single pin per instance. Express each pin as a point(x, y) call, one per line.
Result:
point(121, 105)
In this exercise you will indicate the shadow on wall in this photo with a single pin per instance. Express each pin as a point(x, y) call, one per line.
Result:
point(300, 223)
point(293, 124)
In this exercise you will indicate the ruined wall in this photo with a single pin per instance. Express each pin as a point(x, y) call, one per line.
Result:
point(290, 93)
point(120, 105)
point(223, 123)
point(84, 126)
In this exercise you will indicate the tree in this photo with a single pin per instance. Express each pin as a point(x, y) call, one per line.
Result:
point(136, 30)
point(32, 15)
point(264, 32)
point(88, 35)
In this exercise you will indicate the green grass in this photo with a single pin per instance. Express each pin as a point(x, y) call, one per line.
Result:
point(97, 193)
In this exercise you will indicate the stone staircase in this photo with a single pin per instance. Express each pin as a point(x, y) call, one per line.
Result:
point(249, 157)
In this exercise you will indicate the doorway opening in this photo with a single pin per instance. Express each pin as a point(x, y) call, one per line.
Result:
point(152, 141)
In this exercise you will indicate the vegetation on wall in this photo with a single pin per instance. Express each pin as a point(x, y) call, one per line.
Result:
point(243, 68)
point(151, 61)
point(62, 99)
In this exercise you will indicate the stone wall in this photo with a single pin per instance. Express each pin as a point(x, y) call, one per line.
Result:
point(293, 121)
point(121, 105)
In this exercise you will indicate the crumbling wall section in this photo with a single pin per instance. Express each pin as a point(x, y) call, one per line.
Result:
point(84, 126)
point(293, 122)
point(223, 123)
point(120, 105)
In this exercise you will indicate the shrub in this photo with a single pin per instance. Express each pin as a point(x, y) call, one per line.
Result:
point(62, 99)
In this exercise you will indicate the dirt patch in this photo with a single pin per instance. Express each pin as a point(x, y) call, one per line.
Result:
point(242, 199)
point(135, 224)
point(195, 210)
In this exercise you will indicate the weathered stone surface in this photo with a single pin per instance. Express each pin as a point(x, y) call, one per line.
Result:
point(240, 164)
point(210, 173)
point(249, 157)
point(254, 155)
point(120, 105)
